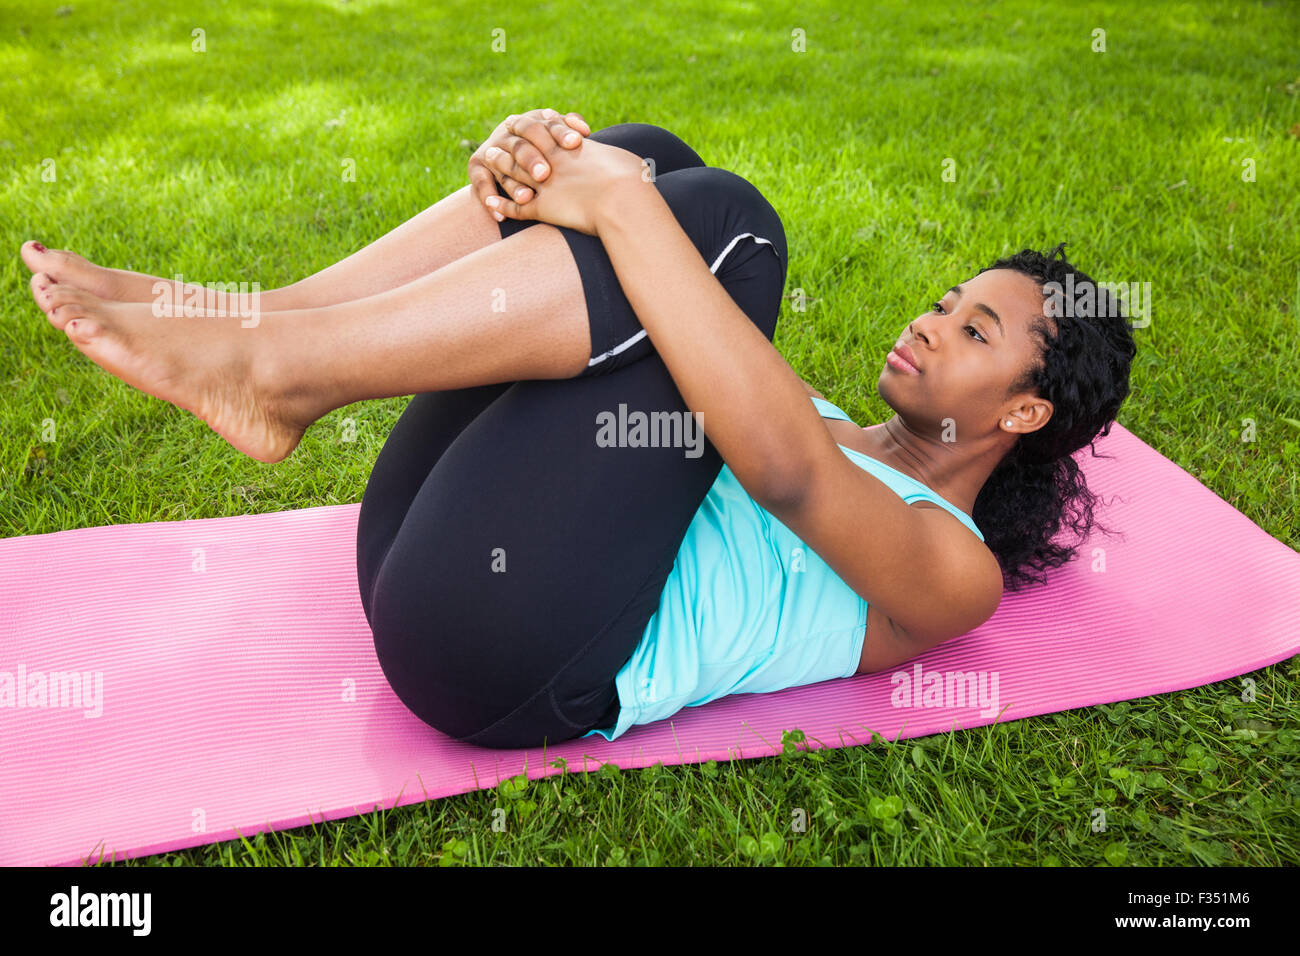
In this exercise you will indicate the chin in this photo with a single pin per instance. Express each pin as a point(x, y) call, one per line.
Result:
point(897, 407)
point(884, 388)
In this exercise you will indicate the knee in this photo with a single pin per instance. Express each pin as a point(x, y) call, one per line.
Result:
point(727, 210)
point(666, 151)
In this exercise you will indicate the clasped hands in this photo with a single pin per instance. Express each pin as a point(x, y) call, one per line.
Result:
point(555, 175)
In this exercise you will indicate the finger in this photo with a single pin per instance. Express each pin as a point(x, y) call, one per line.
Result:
point(564, 134)
point(520, 155)
point(484, 181)
point(571, 119)
point(502, 161)
point(577, 122)
point(538, 133)
point(561, 131)
point(505, 168)
point(520, 191)
point(516, 189)
point(506, 207)
point(498, 160)
point(481, 180)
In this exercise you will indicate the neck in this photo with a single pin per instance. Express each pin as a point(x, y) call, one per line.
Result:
point(955, 472)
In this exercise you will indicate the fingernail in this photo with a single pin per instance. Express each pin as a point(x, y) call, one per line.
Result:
point(500, 218)
point(571, 137)
point(539, 171)
point(38, 247)
point(521, 192)
point(491, 152)
point(493, 201)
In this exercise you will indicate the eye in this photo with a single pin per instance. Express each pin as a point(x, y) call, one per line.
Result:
point(938, 307)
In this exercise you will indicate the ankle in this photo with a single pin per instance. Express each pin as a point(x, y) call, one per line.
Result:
point(288, 380)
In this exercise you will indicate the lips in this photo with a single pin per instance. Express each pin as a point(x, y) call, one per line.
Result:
point(903, 352)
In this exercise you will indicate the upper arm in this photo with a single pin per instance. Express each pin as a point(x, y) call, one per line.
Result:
point(920, 566)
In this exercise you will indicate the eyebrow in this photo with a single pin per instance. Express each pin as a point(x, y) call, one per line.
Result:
point(980, 306)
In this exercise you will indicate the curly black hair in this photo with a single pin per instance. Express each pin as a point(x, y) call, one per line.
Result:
point(1038, 487)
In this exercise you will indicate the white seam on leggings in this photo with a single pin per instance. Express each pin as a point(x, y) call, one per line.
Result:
point(713, 268)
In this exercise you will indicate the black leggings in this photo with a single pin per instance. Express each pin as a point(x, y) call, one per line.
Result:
point(508, 563)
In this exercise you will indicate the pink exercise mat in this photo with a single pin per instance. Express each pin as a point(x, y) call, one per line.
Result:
point(232, 685)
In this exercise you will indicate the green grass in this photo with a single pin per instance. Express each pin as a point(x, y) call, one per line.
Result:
point(225, 165)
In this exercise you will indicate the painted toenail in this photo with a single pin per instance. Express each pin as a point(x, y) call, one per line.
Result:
point(38, 247)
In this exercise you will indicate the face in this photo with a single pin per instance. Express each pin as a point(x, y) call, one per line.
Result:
point(969, 348)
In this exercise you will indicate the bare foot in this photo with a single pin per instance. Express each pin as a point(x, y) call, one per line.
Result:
point(208, 365)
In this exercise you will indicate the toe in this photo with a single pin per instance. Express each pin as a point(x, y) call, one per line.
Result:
point(65, 303)
point(30, 248)
point(35, 256)
point(82, 330)
point(42, 286)
point(55, 263)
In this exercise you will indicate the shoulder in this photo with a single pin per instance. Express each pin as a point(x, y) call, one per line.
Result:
point(921, 567)
point(973, 553)
point(973, 574)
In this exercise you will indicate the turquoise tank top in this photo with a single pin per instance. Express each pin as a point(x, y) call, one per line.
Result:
point(748, 608)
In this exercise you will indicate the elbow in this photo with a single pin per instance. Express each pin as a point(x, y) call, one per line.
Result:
point(797, 469)
point(783, 491)
point(794, 478)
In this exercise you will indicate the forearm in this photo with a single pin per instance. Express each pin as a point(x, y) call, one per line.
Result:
point(753, 407)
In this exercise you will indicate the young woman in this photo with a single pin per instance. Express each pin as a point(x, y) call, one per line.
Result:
point(546, 548)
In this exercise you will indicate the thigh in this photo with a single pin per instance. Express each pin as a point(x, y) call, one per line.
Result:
point(737, 232)
point(426, 428)
point(530, 541)
point(532, 557)
point(738, 235)
point(614, 329)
